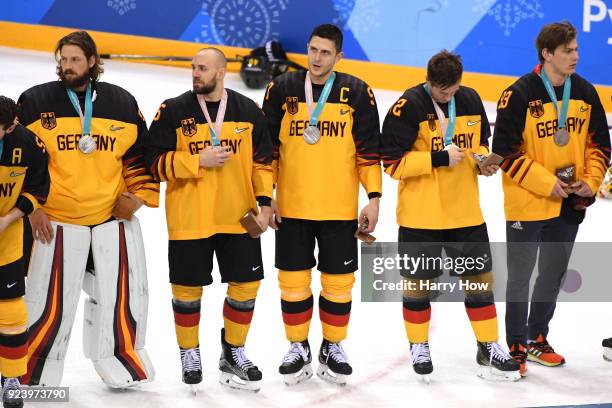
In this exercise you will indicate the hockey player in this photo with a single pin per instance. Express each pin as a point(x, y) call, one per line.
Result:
point(438, 201)
point(326, 137)
point(551, 129)
point(216, 172)
point(24, 185)
point(93, 133)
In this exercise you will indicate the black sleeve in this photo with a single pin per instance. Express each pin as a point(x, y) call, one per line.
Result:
point(262, 149)
point(37, 181)
point(160, 140)
point(26, 112)
point(509, 125)
point(366, 127)
point(273, 109)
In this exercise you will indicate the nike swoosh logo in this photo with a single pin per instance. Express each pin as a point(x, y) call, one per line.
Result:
point(15, 174)
point(347, 262)
point(583, 109)
point(473, 122)
point(11, 285)
point(240, 130)
point(114, 128)
point(344, 112)
point(256, 268)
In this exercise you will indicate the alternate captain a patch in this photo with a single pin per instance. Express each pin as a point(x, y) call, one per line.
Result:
point(188, 127)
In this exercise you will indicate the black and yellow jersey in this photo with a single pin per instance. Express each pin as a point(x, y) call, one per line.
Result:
point(201, 202)
point(24, 183)
point(525, 126)
point(321, 181)
point(85, 187)
point(432, 195)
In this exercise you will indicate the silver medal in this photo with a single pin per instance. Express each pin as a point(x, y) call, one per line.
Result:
point(87, 144)
point(451, 146)
point(561, 137)
point(312, 134)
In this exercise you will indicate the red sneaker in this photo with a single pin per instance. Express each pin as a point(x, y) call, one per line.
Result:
point(541, 352)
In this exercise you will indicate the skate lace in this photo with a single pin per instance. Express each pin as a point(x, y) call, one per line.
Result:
point(497, 352)
point(191, 359)
point(241, 359)
point(296, 351)
point(11, 384)
point(543, 346)
point(336, 352)
point(420, 353)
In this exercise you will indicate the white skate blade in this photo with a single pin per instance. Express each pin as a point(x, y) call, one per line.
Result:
point(304, 374)
point(493, 374)
point(194, 389)
point(426, 378)
point(607, 354)
point(324, 373)
point(237, 383)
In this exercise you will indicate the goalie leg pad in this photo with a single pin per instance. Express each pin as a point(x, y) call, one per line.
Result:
point(116, 311)
point(53, 289)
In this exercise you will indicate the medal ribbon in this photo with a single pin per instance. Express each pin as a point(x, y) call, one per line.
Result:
point(85, 118)
point(1, 146)
point(316, 112)
point(447, 131)
point(567, 86)
point(216, 130)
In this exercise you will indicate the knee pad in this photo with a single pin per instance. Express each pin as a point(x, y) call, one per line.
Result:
point(13, 316)
point(295, 285)
point(239, 292)
point(337, 287)
point(116, 311)
point(413, 291)
point(55, 278)
point(483, 293)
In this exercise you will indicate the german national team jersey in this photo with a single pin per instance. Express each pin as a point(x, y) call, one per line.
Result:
point(85, 187)
point(204, 201)
point(524, 135)
point(24, 183)
point(432, 195)
point(321, 181)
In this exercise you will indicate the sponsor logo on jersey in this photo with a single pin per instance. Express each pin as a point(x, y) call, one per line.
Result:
point(240, 130)
point(16, 174)
point(473, 122)
point(344, 111)
point(431, 121)
point(584, 108)
point(292, 104)
point(189, 127)
point(47, 120)
point(114, 128)
point(536, 108)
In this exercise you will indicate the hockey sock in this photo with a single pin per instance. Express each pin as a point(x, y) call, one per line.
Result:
point(186, 307)
point(13, 337)
point(480, 308)
point(417, 311)
point(335, 305)
point(296, 303)
point(238, 311)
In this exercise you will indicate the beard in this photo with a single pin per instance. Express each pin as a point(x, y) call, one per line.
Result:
point(205, 89)
point(75, 81)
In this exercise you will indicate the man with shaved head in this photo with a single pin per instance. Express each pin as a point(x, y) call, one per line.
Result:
point(216, 173)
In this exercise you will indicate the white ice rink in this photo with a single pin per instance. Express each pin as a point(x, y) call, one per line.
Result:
point(377, 345)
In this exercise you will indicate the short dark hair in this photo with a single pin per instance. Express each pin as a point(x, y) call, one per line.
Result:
point(83, 40)
point(329, 32)
point(553, 35)
point(8, 112)
point(444, 69)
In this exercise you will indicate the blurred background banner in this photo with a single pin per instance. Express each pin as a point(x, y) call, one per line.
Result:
point(493, 36)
